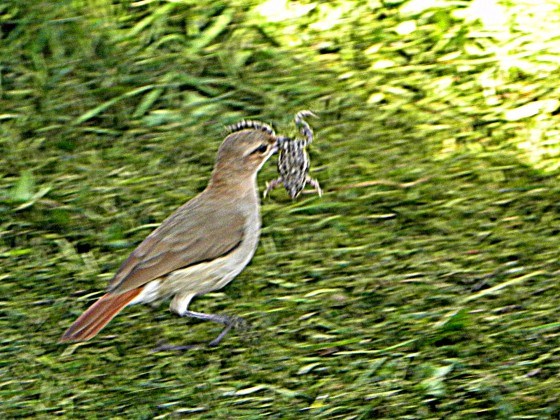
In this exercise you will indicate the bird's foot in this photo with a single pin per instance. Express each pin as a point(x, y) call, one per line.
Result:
point(229, 322)
point(234, 322)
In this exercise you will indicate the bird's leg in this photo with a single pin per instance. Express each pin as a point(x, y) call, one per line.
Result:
point(271, 185)
point(228, 321)
point(315, 184)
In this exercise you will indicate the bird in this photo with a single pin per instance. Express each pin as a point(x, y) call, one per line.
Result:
point(199, 248)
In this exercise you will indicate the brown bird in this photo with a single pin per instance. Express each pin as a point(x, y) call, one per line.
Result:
point(201, 247)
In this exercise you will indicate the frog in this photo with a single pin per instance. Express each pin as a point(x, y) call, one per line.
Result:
point(293, 160)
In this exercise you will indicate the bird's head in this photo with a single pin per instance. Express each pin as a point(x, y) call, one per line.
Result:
point(244, 151)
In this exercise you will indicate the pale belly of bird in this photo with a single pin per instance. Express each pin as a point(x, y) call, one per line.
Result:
point(185, 283)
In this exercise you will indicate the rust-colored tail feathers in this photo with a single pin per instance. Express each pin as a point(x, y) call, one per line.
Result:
point(98, 315)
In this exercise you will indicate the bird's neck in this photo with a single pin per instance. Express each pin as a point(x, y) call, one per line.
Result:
point(239, 184)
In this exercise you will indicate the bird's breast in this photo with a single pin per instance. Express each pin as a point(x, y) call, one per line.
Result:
point(212, 275)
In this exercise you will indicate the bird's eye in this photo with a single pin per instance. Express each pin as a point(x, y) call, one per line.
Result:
point(261, 149)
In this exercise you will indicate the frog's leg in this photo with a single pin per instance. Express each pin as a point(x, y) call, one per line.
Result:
point(315, 184)
point(271, 185)
point(305, 129)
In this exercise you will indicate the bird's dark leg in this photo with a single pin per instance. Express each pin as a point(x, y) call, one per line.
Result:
point(228, 321)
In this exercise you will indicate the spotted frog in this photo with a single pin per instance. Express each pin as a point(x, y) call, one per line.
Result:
point(293, 160)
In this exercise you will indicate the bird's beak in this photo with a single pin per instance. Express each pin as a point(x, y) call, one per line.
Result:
point(278, 143)
point(274, 148)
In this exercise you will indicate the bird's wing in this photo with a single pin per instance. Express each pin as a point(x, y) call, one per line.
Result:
point(197, 232)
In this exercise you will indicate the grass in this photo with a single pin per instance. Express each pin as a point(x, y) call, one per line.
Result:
point(401, 299)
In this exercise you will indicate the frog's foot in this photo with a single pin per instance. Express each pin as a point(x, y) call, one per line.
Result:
point(271, 185)
point(315, 184)
point(305, 129)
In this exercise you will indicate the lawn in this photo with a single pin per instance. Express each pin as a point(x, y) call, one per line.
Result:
point(422, 284)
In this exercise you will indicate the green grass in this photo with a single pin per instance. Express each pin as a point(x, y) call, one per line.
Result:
point(436, 299)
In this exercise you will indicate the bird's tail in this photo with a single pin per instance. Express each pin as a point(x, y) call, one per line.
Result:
point(98, 315)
